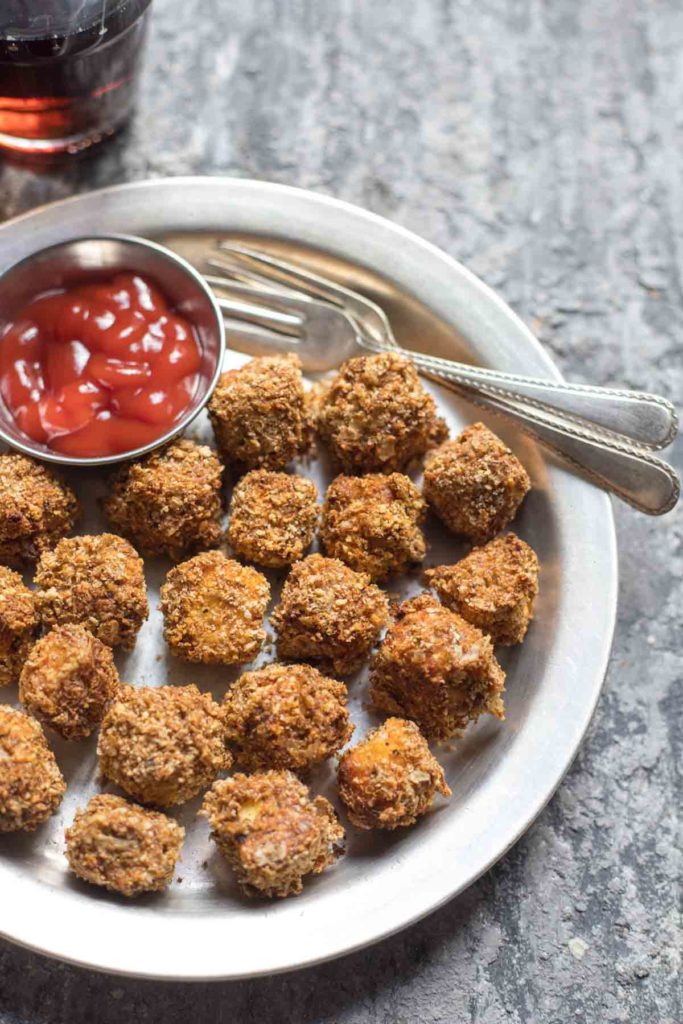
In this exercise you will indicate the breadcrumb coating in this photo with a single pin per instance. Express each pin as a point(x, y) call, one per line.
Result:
point(376, 417)
point(437, 669)
point(475, 484)
point(329, 614)
point(286, 716)
point(213, 610)
point(271, 832)
point(18, 624)
point(68, 681)
point(372, 523)
point(124, 848)
point(273, 517)
point(169, 503)
point(36, 509)
point(31, 784)
point(97, 582)
point(391, 777)
point(163, 745)
point(494, 587)
point(260, 414)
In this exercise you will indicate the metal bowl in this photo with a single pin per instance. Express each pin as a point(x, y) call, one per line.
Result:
point(74, 262)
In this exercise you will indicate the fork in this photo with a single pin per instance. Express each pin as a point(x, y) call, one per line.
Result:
point(289, 308)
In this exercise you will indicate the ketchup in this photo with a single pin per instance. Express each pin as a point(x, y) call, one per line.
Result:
point(99, 369)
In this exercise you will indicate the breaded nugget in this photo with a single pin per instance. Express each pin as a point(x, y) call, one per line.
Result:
point(164, 745)
point(273, 517)
point(97, 582)
point(18, 624)
point(437, 669)
point(68, 680)
point(121, 847)
point(271, 832)
point(494, 587)
point(372, 523)
point(213, 610)
point(286, 716)
point(260, 414)
point(376, 417)
point(36, 509)
point(390, 778)
point(475, 484)
point(31, 784)
point(169, 503)
point(329, 614)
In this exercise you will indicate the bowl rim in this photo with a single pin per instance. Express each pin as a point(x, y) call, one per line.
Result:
point(162, 252)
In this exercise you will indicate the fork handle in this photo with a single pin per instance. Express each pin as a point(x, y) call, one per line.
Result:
point(634, 475)
point(648, 419)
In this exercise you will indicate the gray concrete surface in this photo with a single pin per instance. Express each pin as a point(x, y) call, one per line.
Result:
point(540, 142)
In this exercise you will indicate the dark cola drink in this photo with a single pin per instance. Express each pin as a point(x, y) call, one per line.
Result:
point(67, 71)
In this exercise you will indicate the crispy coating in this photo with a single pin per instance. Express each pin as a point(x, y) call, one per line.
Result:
point(437, 669)
point(169, 503)
point(286, 716)
point(271, 832)
point(31, 784)
point(36, 509)
point(68, 680)
point(494, 587)
point(121, 847)
point(376, 416)
point(390, 778)
point(18, 624)
point(213, 610)
point(260, 414)
point(475, 484)
point(372, 523)
point(162, 745)
point(96, 581)
point(273, 517)
point(329, 614)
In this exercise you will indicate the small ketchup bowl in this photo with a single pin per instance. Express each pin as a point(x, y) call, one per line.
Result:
point(84, 264)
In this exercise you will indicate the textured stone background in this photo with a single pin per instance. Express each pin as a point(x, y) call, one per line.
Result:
point(540, 142)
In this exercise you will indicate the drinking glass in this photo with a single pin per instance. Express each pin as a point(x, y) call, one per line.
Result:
point(67, 71)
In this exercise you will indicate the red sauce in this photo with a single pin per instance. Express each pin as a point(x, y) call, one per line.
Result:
point(99, 369)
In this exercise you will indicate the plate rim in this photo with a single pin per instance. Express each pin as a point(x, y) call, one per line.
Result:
point(83, 953)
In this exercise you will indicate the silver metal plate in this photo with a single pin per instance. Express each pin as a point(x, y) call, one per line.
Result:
point(501, 774)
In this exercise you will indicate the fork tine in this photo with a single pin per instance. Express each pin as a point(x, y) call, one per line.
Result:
point(306, 280)
point(233, 272)
point(370, 319)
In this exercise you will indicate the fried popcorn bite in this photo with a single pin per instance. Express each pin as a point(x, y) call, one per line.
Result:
point(286, 716)
point(390, 778)
point(169, 503)
point(375, 416)
point(122, 847)
point(273, 517)
point(36, 509)
point(162, 745)
point(18, 624)
point(437, 669)
point(475, 484)
point(271, 832)
point(260, 414)
point(329, 614)
point(494, 587)
point(213, 610)
point(31, 784)
point(373, 523)
point(68, 681)
point(97, 582)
